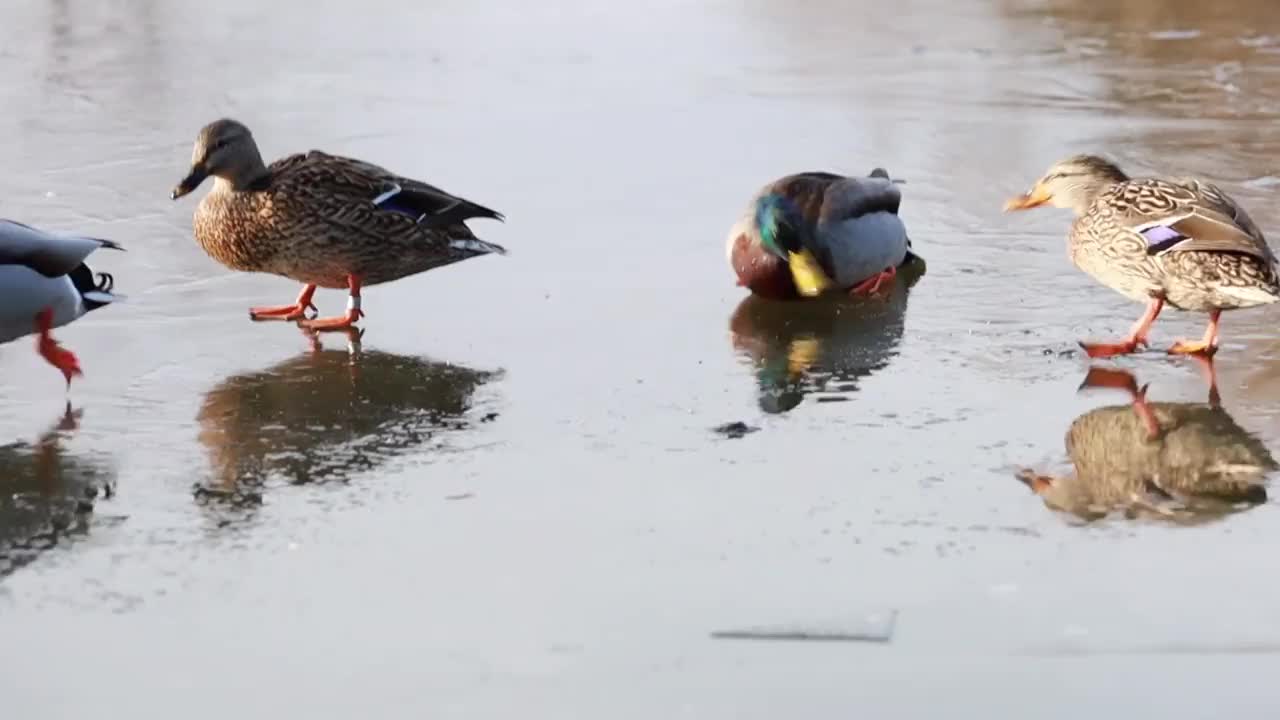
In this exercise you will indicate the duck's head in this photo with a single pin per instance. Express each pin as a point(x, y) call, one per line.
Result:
point(1072, 183)
point(777, 221)
point(224, 149)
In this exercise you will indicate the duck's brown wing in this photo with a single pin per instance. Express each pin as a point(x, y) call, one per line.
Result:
point(360, 182)
point(1190, 216)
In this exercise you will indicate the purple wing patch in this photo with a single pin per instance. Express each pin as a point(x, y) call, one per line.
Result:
point(1161, 238)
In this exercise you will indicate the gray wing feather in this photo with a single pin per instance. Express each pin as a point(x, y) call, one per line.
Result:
point(50, 254)
point(854, 197)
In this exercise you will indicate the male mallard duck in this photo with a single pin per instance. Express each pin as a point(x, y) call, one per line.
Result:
point(820, 348)
point(322, 220)
point(1178, 242)
point(45, 284)
point(805, 234)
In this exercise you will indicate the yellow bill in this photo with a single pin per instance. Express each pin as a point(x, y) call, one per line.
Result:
point(807, 273)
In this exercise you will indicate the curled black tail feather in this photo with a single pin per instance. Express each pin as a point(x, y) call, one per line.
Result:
point(109, 244)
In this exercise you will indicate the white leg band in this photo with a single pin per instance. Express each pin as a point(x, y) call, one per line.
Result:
point(353, 302)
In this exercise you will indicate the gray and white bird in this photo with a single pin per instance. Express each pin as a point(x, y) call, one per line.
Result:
point(45, 284)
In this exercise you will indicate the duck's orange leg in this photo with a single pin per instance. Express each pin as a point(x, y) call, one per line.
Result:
point(1137, 336)
point(342, 322)
point(296, 311)
point(872, 285)
point(1207, 346)
point(51, 351)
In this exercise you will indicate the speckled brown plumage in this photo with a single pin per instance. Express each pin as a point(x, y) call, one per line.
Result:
point(1177, 242)
point(1227, 252)
point(319, 218)
point(1200, 461)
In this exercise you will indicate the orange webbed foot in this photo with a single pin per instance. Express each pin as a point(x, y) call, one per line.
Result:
point(1196, 348)
point(1106, 350)
point(296, 311)
point(875, 283)
point(342, 322)
point(1102, 377)
point(281, 312)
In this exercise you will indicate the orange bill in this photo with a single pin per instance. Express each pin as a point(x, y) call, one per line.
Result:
point(1037, 197)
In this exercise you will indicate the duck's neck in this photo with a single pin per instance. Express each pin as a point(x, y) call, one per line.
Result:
point(250, 174)
point(1082, 197)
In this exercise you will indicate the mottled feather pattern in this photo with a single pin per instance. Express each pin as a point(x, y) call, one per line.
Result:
point(315, 221)
point(1106, 242)
point(1202, 455)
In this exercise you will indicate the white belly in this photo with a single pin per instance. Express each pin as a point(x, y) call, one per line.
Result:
point(25, 292)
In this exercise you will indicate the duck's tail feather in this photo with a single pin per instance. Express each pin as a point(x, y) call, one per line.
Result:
point(97, 289)
point(884, 175)
point(104, 298)
point(477, 245)
point(108, 244)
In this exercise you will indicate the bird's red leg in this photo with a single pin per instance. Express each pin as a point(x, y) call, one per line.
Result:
point(1145, 414)
point(1207, 346)
point(1137, 336)
point(342, 322)
point(871, 285)
point(296, 311)
point(51, 351)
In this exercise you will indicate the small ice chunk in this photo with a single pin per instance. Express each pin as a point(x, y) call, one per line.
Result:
point(874, 627)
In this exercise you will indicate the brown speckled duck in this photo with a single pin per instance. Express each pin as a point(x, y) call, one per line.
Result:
point(1176, 242)
point(1178, 461)
point(322, 220)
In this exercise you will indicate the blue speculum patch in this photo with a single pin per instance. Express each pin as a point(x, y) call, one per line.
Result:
point(393, 205)
point(1160, 238)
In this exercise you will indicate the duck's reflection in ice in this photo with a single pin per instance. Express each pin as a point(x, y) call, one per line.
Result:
point(819, 347)
point(1184, 462)
point(328, 415)
point(47, 494)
